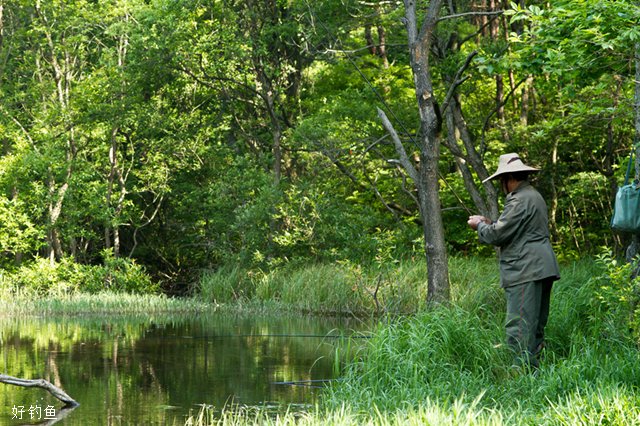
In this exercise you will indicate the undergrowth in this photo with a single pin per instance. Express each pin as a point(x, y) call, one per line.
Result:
point(447, 365)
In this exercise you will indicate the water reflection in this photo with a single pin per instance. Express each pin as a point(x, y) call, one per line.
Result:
point(154, 371)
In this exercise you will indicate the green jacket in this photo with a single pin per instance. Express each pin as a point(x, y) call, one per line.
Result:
point(522, 234)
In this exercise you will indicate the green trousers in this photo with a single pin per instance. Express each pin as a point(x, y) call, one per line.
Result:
point(527, 315)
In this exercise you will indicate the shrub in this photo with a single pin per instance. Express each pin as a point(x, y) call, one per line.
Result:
point(41, 277)
point(616, 307)
point(225, 285)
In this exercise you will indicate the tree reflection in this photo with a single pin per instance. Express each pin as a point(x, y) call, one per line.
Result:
point(148, 370)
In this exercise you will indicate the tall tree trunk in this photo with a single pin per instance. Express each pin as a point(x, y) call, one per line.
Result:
point(382, 46)
point(115, 177)
point(276, 128)
point(1, 25)
point(429, 144)
point(494, 29)
point(56, 197)
point(553, 211)
point(368, 37)
point(116, 172)
point(62, 73)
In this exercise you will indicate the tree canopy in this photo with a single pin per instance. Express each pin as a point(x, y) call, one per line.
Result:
point(189, 135)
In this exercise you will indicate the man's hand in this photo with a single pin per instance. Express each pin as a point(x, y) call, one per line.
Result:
point(476, 219)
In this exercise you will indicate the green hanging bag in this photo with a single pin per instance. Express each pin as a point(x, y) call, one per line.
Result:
point(626, 208)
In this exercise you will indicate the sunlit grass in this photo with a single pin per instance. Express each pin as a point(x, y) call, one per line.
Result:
point(440, 366)
point(337, 288)
point(100, 303)
point(448, 366)
point(459, 413)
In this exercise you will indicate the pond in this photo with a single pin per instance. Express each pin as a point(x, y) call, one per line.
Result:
point(157, 371)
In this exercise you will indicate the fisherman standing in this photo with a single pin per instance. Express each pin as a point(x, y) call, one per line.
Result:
point(528, 265)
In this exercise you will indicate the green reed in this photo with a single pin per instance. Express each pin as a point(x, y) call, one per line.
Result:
point(448, 365)
point(103, 303)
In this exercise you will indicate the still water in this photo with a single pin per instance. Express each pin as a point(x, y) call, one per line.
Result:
point(158, 370)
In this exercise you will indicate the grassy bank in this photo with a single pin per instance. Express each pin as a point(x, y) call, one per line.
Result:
point(427, 414)
point(444, 365)
point(118, 286)
point(448, 366)
point(344, 288)
point(103, 303)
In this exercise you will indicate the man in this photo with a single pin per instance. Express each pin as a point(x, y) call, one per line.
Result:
point(528, 265)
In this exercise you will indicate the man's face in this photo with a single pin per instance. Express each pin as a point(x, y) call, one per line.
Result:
point(504, 184)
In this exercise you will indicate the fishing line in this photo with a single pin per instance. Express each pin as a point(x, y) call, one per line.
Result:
point(318, 336)
point(308, 383)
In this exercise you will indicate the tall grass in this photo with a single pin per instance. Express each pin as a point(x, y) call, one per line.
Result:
point(313, 288)
point(454, 354)
point(429, 413)
point(100, 303)
point(447, 365)
point(344, 288)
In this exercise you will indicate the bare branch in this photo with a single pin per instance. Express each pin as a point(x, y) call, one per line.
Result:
point(404, 158)
point(457, 81)
point(360, 49)
point(26, 133)
point(344, 169)
point(495, 110)
point(407, 190)
point(40, 383)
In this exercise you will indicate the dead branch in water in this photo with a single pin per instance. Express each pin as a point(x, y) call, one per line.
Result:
point(43, 384)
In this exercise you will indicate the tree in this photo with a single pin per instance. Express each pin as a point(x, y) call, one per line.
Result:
point(584, 52)
point(426, 176)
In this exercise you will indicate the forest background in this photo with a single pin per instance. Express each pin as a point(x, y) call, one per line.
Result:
point(146, 144)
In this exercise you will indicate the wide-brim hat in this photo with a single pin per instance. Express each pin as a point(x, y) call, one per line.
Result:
point(510, 163)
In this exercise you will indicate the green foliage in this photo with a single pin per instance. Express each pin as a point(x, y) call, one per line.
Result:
point(616, 309)
point(42, 278)
point(162, 140)
point(383, 287)
point(613, 405)
point(453, 355)
point(123, 275)
point(315, 288)
point(225, 285)
point(326, 288)
point(431, 413)
point(26, 303)
point(583, 214)
point(18, 234)
point(574, 39)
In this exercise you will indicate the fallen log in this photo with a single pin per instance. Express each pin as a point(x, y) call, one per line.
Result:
point(43, 384)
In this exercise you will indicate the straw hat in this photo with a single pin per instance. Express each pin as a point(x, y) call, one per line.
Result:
point(510, 163)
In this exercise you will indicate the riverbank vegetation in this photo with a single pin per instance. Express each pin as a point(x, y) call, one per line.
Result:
point(116, 287)
point(104, 303)
point(233, 153)
point(447, 365)
point(184, 139)
point(343, 288)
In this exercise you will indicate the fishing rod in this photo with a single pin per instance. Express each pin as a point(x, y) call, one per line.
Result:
point(307, 383)
point(319, 336)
